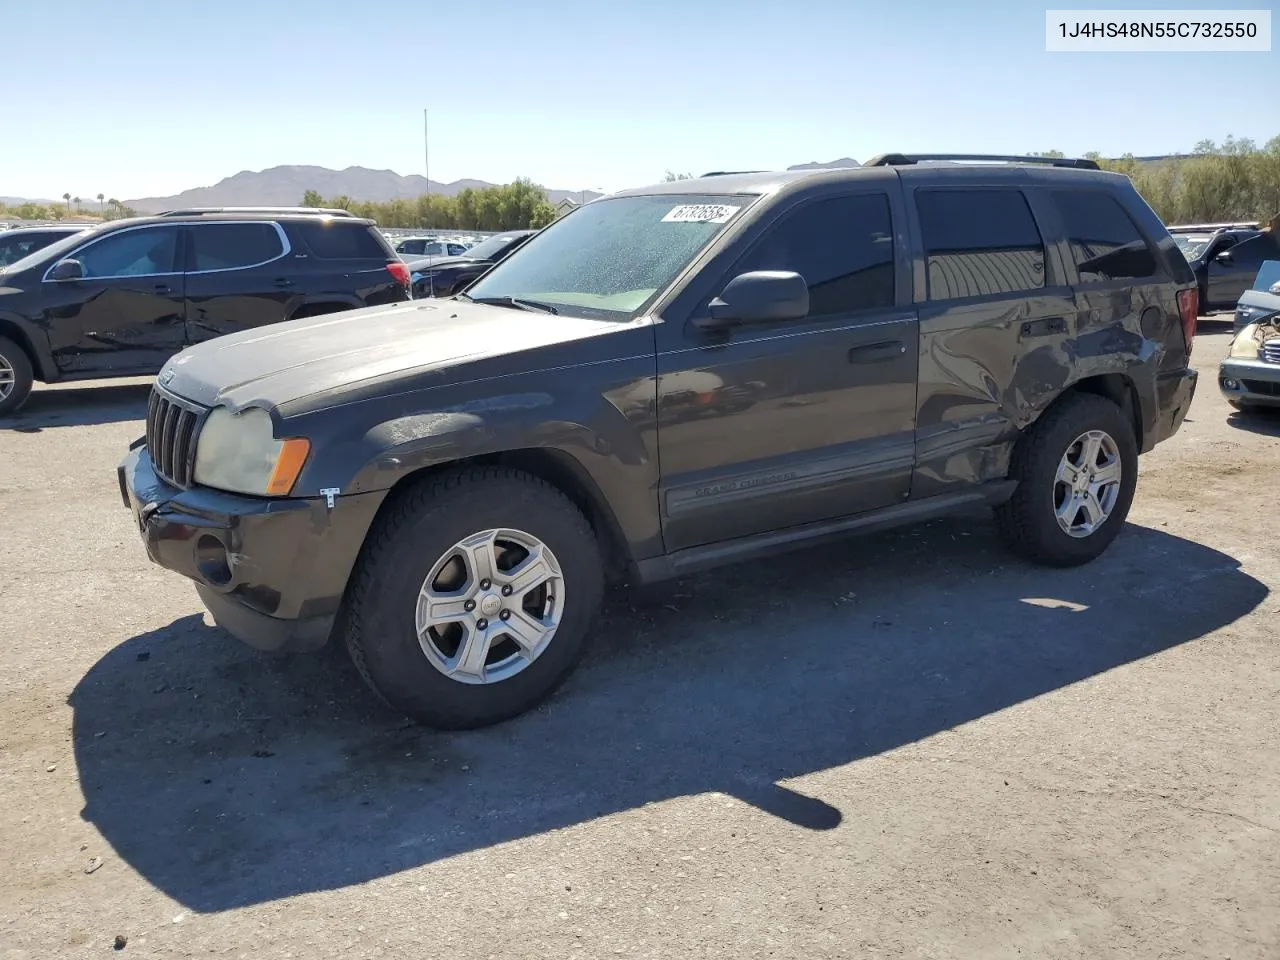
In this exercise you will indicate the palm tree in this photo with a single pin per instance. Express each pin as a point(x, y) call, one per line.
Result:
point(67, 198)
point(102, 205)
point(77, 203)
point(114, 205)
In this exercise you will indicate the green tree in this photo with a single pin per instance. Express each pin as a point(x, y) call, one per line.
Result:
point(312, 198)
point(1055, 154)
point(670, 177)
point(102, 206)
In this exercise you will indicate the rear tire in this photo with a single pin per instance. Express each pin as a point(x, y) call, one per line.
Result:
point(16, 377)
point(1069, 503)
point(417, 568)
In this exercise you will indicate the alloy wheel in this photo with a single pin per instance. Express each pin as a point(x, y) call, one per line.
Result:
point(490, 606)
point(1086, 486)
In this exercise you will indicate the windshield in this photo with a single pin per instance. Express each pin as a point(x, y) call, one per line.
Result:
point(1192, 245)
point(611, 257)
point(492, 246)
point(52, 252)
point(1268, 276)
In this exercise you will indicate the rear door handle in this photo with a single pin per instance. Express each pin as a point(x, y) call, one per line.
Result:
point(1045, 327)
point(162, 288)
point(875, 352)
point(284, 282)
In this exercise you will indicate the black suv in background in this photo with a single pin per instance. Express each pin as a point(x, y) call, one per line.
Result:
point(1225, 259)
point(23, 241)
point(445, 276)
point(895, 341)
point(120, 299)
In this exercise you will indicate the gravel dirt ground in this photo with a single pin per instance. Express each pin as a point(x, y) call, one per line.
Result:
point(907, 745)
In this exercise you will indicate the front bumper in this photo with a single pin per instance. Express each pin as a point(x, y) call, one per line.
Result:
point(272, 571)
point(1250, 381)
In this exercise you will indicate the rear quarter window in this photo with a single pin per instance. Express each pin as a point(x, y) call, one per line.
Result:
point(338, 240)
point(1104, 240)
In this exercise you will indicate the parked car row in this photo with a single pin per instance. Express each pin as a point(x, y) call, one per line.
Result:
point(445, 276)
point(1249, 377)
point(119, 299)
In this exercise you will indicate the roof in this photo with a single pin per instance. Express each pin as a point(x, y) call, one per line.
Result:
point(776, 181)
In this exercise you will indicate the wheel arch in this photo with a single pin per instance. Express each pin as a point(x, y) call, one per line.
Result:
point(563, 472)
point(41, 363)
point(1120, 389)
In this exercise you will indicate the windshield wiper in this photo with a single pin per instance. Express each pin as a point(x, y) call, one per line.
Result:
point(518, 303)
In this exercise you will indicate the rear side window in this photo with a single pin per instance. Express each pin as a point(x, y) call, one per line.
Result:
point(230, 246)
point(1104, 241)
point(979, 243)
point(843, 247)
point(336, 240)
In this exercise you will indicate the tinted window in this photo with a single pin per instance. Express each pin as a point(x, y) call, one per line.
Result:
point(1251, 253)
point(412, 246)
point(979, 242)
point(843, 248)
point(1104, 241)
point(336, 240)
point(225, 246)
point(130, 253)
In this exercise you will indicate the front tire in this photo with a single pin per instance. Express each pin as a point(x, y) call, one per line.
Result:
point(1077, 470)
point(16, 376)
point(473, 598)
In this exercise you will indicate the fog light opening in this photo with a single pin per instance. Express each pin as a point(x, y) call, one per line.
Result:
point(211, 560)
point(1230, 384)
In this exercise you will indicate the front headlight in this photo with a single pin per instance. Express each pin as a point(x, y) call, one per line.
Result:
point(1244, 347)
point(238, 452)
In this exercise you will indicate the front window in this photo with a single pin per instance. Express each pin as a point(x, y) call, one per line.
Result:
point(1192, 245)
point(613, 257)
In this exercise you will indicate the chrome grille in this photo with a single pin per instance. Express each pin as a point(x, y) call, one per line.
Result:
point(172, 428)
point(1270, 351)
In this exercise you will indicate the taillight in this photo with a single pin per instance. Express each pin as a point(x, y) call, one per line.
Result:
point(1189, 308)
point(400, 271)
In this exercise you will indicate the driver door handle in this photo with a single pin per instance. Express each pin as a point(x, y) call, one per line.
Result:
point(163, 288)
point(875, 352)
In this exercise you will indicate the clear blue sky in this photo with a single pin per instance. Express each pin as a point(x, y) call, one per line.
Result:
point(138, 97)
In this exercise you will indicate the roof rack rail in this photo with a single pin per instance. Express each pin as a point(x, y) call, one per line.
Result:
point(1201, 227)
point(907, 159)
point(730, 173)
point(200, 211)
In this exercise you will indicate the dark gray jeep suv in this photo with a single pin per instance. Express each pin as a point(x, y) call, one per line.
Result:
point(668, 379)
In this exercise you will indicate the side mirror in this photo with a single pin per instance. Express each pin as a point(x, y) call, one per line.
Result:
point(66, 270)
point(761, 296)
point(1223, 257)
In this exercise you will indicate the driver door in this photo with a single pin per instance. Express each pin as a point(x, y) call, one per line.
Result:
point(125, 313)
point(777, 424)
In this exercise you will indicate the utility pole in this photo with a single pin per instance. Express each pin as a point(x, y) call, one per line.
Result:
point(426, 169)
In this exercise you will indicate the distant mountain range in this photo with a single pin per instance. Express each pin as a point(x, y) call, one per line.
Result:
point(285, 185)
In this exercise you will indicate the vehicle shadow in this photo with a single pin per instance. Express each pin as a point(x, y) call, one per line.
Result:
point(227, 778)
point(79, 406)
point(1264, 421)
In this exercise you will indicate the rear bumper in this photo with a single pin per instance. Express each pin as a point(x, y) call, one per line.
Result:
point(271, 571)
point(1250, 381)
point(1174, 393)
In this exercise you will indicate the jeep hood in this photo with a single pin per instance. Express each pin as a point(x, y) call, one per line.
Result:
point(274, 365)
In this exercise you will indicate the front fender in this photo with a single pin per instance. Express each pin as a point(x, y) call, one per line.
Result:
point(610, 437)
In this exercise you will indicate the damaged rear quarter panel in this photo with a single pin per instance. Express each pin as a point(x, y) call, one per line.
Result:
point(989, 370)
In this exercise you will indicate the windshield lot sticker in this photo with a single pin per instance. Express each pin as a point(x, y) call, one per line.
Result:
point(700, 213)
